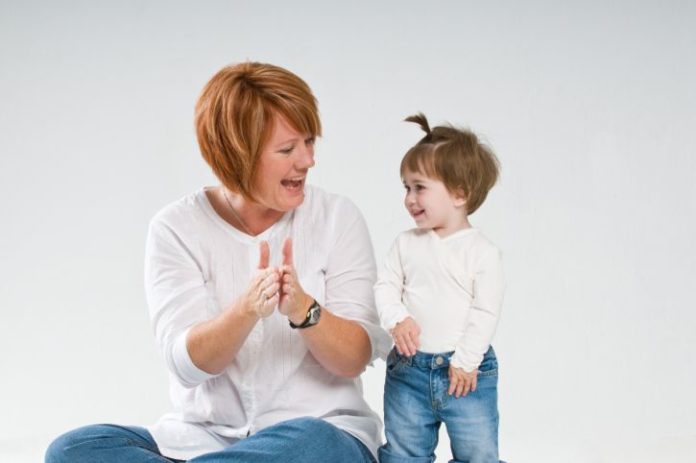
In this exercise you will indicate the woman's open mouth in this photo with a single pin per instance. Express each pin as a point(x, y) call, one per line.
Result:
point(293, 185)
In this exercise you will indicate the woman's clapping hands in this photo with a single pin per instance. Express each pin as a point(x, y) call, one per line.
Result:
point(262, 296)
point(279, 287)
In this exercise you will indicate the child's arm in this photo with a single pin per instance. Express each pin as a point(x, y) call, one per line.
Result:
point(392, 313)
point(485, 312)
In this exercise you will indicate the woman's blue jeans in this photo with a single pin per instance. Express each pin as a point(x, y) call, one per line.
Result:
point(416, 403)
point(308, 440)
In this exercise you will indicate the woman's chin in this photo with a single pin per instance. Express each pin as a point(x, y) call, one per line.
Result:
point(292, 201)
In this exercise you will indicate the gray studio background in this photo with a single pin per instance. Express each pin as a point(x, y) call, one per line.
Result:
point(590, 106)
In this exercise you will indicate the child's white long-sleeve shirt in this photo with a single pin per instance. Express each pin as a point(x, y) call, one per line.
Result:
point(452, 287)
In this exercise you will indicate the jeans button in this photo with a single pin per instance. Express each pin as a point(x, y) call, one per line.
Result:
point(439, 360)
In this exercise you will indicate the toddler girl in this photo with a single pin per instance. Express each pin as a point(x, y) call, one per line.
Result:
point(439, 295)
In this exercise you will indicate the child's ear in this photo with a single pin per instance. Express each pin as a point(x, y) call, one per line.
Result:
point(459, 198)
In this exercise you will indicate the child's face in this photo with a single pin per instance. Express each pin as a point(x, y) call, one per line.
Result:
point(432, 206)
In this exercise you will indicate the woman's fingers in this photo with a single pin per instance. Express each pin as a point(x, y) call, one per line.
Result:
point(264, 254)
point(263, 292)
point(287, 252)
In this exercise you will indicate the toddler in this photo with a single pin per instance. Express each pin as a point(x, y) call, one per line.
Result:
point(439, 295)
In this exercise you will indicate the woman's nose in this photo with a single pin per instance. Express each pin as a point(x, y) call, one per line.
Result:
point(306, 158)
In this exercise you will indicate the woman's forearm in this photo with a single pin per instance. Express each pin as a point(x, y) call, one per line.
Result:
point(341, 346)
point(213, 344)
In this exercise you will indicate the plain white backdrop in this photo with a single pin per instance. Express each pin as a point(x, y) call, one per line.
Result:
point(590, 107)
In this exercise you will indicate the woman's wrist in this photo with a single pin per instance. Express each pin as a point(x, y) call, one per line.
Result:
point(300, 313)
point(243, 308)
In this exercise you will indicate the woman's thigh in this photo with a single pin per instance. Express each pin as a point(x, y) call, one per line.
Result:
point(105, 443)
point(308, 440)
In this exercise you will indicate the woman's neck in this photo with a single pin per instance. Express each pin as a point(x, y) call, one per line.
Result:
point(243, 214)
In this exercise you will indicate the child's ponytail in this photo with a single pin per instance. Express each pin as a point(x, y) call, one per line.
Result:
point(421, 120)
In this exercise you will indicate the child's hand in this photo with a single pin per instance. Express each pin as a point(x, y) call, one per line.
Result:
point(406, 335)
point(461, 382)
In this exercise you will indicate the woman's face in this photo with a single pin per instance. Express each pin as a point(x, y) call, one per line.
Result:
point(283, 166)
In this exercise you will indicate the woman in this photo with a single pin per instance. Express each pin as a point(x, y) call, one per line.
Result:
point(260, 293)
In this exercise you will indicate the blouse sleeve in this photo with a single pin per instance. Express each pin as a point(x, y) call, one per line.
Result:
point(177, 299)
point(350, 274)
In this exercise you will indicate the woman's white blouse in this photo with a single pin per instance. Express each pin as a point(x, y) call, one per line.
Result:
point(197, 264)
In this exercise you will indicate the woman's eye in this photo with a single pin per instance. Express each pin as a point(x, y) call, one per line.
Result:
point(287, 150)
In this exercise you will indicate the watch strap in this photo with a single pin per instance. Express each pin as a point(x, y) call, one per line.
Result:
point(309, 319)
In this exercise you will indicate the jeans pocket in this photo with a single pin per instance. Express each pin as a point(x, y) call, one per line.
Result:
point(489, 367)
point(395, 362)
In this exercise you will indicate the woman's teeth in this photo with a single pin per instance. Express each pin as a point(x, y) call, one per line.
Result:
point(291, 183)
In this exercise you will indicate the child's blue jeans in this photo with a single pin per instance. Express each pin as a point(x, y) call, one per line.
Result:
point(416, 402)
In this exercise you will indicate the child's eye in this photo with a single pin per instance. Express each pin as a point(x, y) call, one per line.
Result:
point(310, 141)
point(420, 188)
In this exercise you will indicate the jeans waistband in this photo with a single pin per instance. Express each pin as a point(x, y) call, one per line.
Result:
point(434, 361)
point(428, 360)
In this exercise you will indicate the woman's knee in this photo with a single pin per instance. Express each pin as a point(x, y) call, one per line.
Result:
point(63, 447)
point(309, 426)
point(79, 444)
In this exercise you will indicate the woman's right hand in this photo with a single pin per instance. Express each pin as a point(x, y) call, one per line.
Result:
point(261, 298)
point(406, 336)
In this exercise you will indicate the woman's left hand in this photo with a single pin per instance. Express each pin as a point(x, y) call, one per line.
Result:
point(294, 302)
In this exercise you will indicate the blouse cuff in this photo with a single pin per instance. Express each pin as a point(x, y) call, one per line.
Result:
point(380, 342)
point(187, 372)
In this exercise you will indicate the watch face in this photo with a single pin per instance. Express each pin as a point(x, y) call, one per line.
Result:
point(314, 314)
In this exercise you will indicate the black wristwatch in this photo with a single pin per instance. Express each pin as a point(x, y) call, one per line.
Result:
point(312, 318)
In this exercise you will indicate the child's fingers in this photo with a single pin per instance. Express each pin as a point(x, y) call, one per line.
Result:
point(415, 335)
point(401, 341)
point(408, 338)
point(453, 384)
point(466, 387)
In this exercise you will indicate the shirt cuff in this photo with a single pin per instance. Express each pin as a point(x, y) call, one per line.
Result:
point(187, 372)
point(466, 362)
point(393, 314)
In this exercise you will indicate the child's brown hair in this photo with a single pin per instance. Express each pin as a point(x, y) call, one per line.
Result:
point(456, 157)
